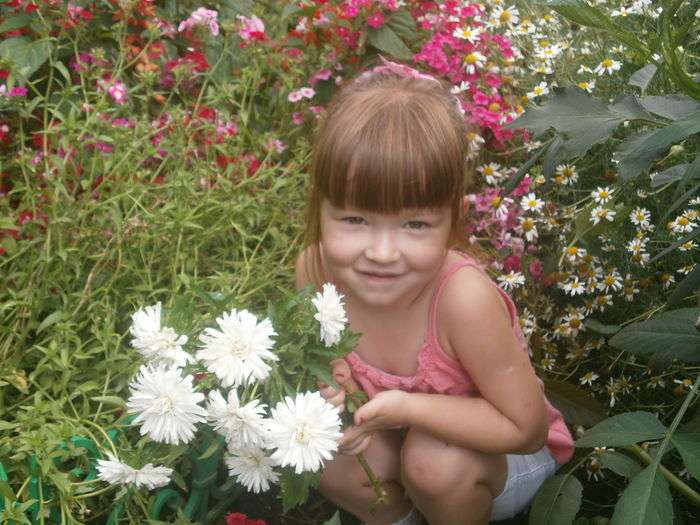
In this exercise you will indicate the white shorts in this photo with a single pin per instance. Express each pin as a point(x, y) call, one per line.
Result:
point(526, 473)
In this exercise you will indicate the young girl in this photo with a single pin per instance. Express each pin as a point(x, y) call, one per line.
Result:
point(457, 424)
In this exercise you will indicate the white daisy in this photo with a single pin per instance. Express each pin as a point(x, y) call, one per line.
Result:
point(330, 314)
point(252, 468)
point(640, 217)
point(539, 90)
point(114, 471)
point(166, 405)
point(600, 213)
point(471, 34)
point(304, 431)
point(567, 174)
point(474, 61)
point(236, 354)
point(587, 85)
point(530, 202)
point(242, 426)
point(528, 228)
point(492, 173)
point(511, 280)
point(608, 65)
point(602, 195)
point(574, 287)
point(157, 344)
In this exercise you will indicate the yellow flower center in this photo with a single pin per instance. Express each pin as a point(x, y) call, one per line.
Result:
point(471, 59)
point(608, 62)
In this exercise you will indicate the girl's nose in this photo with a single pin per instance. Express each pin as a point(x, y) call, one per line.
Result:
point(382, 249)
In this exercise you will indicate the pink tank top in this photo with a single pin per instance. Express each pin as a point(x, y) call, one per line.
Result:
point(439, 373)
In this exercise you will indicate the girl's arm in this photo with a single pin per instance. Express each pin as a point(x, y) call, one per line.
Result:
point(511, 417)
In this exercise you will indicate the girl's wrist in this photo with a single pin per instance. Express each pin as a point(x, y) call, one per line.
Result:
point(407, 409)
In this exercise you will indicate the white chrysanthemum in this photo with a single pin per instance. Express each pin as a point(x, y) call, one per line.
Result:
point(303, 431)
point(331, 314)
point(242, 426)
point(114, 471)
point(167, 406)
point(511, 280)
point(252, 468)
point(236, 354)
point(157, 344)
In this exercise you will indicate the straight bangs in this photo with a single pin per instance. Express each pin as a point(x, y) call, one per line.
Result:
point(391, 160)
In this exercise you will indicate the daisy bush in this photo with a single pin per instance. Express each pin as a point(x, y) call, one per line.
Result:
point(152, 177)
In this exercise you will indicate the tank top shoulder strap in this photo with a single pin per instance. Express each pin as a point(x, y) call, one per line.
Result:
point(432, 321)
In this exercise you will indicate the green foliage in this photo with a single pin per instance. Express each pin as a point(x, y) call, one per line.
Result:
point(645, 501)
point(557, 501)
point(623, 429)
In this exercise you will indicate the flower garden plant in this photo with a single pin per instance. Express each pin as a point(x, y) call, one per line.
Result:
point(152, 165)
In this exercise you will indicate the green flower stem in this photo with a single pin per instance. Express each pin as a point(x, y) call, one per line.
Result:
point(95, 493)
point(374, 480)
point(684, 489)
point(673, 480)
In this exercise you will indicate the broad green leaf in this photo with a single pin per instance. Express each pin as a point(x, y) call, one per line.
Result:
point(403, 24)
point(643, 76)
point(688, 445)
point(27, 56)
point(581, 119)
point(673, 332)
point(6, 491)
point(687, 286)
point(551, 158)
point(295, 487)
point(619, 463)
point(386, 40)
point(602, 329)
point(638, 158)
point(645, 501)
point(671, 107)
point(624, 429)
point(109, 400)
point(576, 405)
point(15, 22)
point(671, 174)
point(557, 501)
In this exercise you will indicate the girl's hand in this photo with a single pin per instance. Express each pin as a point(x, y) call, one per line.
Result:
point(342, 375)
point(387, 410)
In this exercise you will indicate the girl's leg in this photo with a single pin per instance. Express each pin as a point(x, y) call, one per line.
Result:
point(448, 484)
point(345, 483)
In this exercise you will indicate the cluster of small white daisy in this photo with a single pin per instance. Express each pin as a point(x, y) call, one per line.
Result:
point(300, 432)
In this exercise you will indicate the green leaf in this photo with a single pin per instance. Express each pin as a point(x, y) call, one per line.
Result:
point(557, 501)
point(638, 158)
point(27, 56)
point(211, 450)
point(51, 319)
point(643, 76)
point(15, 22)
point(6, 491)
point(602, 329)
point(673, 332)
point(295, 487)
point(687, 286)
point(645, 501)
point(403, 24)
point(581, 119)
point(576, 405)
point(522, 171)
point(688, 445)
point(619, 463)
point(109, 400)
point(671, 174)
point(623, 429)
point(671, 107)
point(389, 42)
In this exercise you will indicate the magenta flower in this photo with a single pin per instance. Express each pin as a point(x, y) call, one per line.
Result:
point(118, 92)
point(251, 28)
point(376, 20)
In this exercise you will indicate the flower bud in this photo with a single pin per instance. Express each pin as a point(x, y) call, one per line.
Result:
point(676, 149)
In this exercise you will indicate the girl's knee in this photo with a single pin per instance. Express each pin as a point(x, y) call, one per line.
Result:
point(433, 468)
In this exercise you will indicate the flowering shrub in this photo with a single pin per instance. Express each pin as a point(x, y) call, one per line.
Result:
point(155, 151)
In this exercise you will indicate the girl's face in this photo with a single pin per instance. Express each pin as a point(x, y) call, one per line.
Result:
point(384, 259)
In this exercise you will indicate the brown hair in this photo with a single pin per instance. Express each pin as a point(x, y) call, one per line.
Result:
point(387, 143)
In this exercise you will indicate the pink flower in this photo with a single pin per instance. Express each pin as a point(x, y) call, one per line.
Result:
point(524, 187)
point(511, 264)
point(294, 96)
point(297, 118)
point(251, 28)
point(203, 17)
point(536, 269)
point(118, 92)
point(307, 92)
point(376, 20)
point(277, 145)
point(323, 74)
point(350, 11)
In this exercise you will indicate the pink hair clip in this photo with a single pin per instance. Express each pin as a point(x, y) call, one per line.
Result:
point(388, 66)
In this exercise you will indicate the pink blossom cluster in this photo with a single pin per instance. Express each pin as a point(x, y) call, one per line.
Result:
point(16, 91)
point(115, 88)
point(252, 28)
point(201, 17)
point(297, 95)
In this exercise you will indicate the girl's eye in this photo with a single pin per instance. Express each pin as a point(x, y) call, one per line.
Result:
point(418, 225)
point(353, 220)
